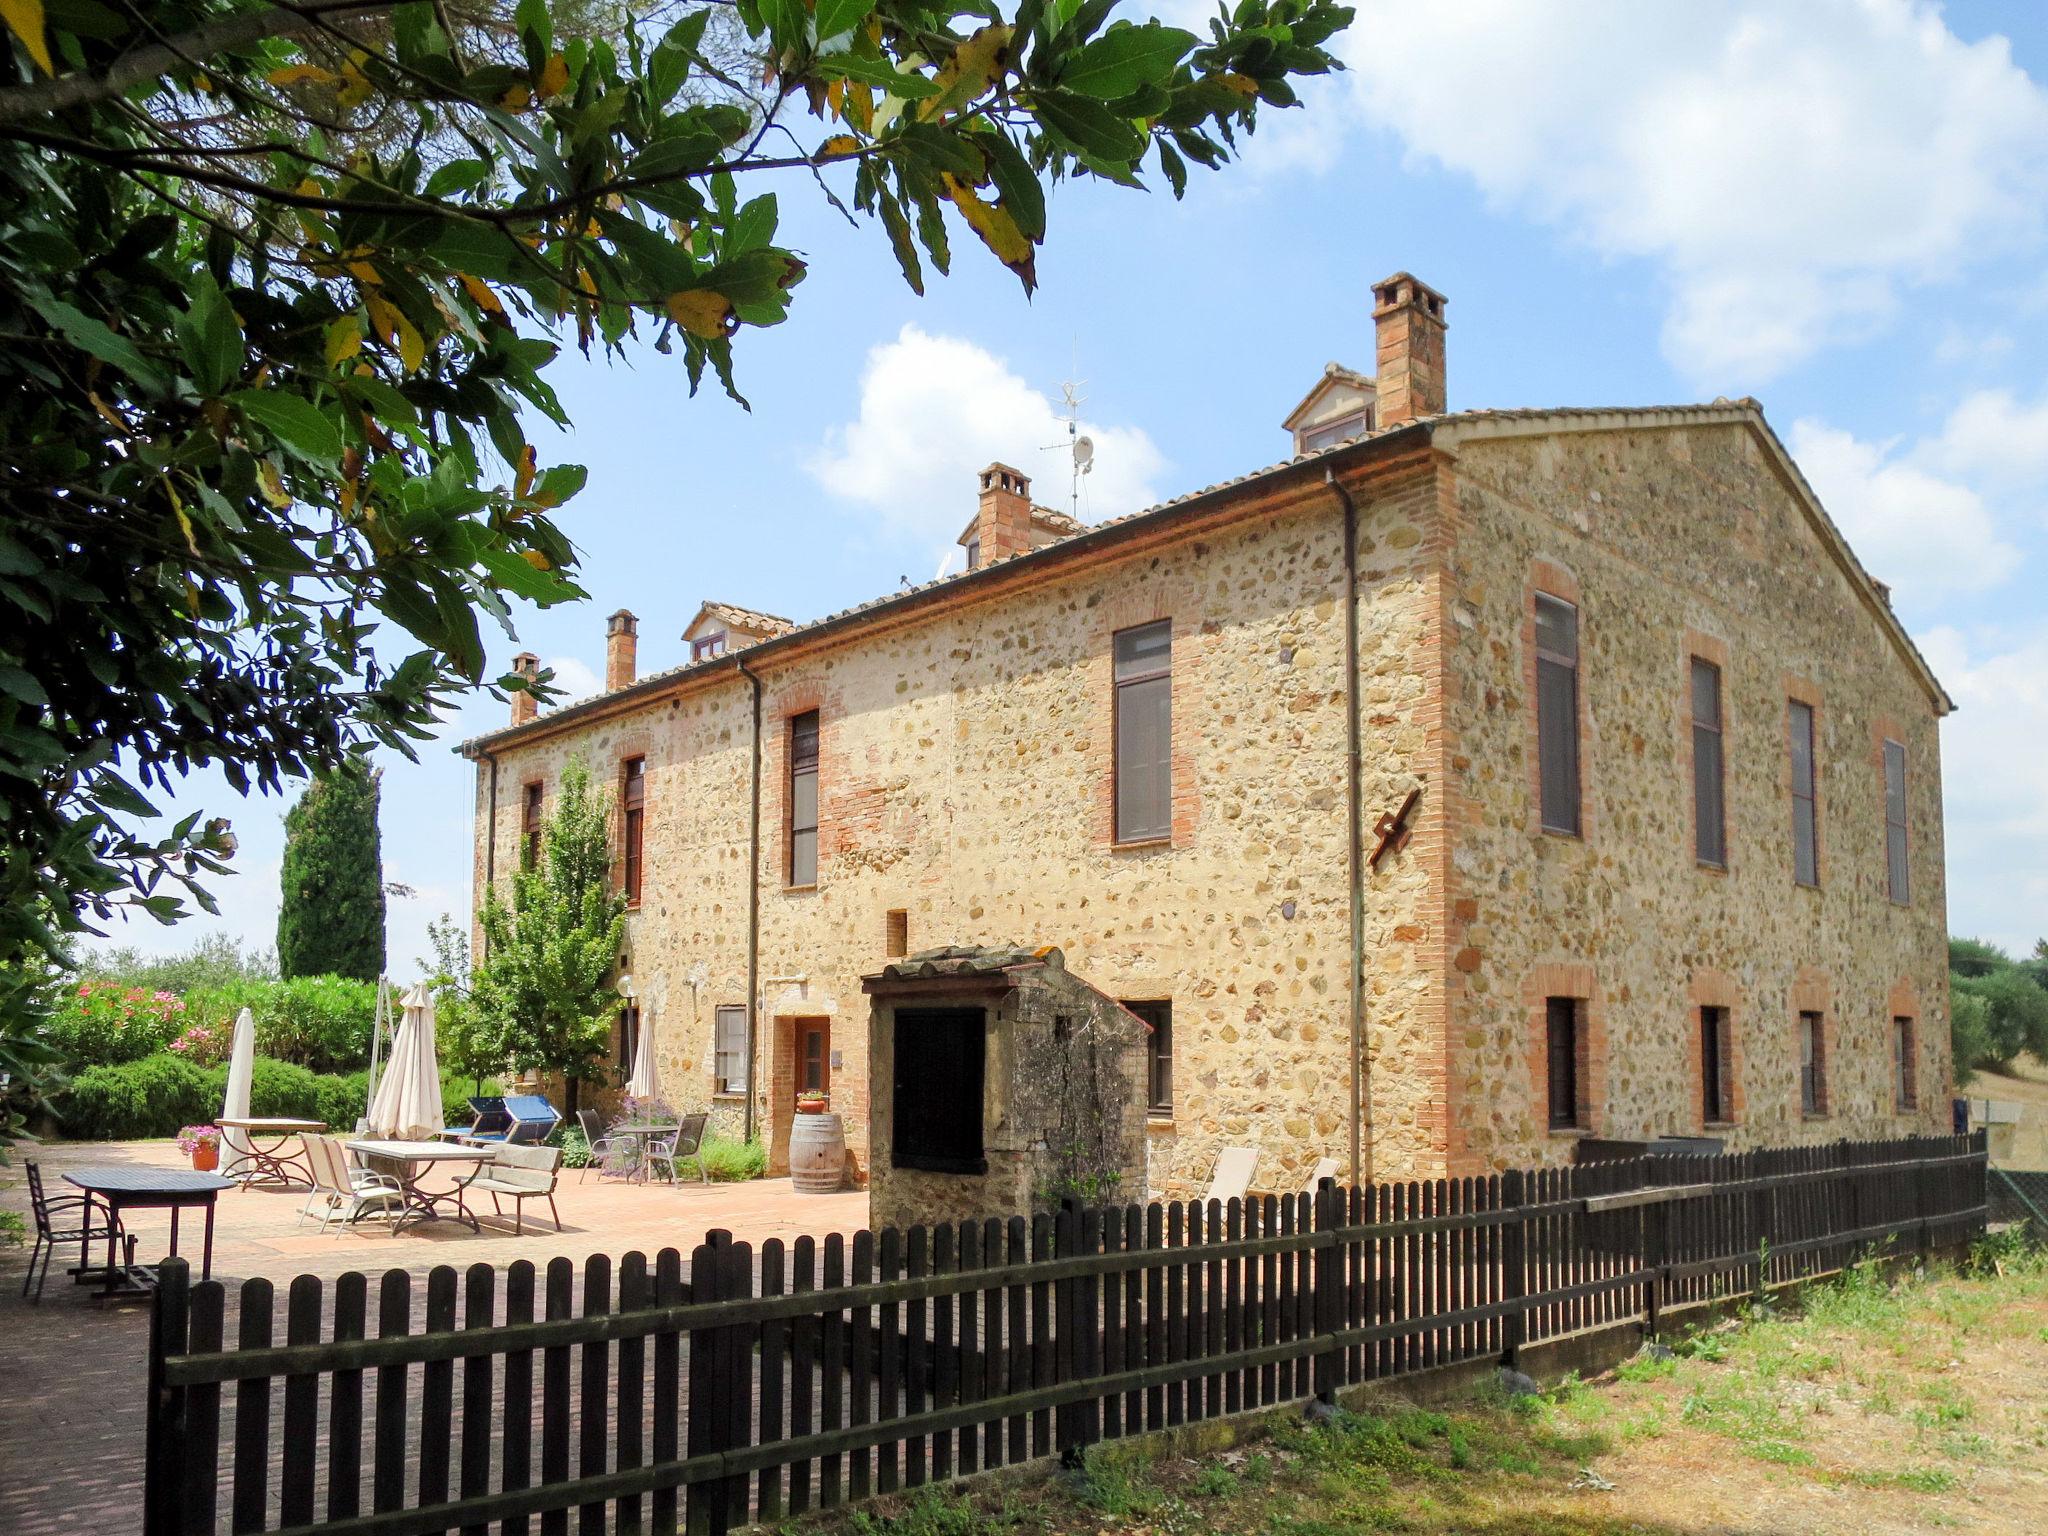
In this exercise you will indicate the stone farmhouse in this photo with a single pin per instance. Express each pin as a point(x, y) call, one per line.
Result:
point(1462, 786)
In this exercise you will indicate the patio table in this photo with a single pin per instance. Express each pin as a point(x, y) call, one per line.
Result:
point(137, 1188)
point(635, 1169)
point(270, 1162)
point(406, 1161)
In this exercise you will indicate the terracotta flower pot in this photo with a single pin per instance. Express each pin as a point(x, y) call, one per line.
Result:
point(206, 1156)
point(811, 1104)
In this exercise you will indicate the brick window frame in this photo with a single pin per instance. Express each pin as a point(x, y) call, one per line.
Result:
point(1903, 1038)
point(729, 1063)
point(1813, 992)
point(1552, 580)
point(1715, 989)
point(1126, 603)
point(1157, 1015)
point(1713, 650)
point(1800, 690)
point(1152, 677)
point(787, 772)
point(1887, 734)
point(1576, 981)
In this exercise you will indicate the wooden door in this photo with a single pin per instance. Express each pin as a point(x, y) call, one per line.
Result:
point(813, 1045)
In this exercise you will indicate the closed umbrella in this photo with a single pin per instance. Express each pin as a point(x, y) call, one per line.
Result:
point(241, 1069)
point(407, 1106)
point(645, 1083)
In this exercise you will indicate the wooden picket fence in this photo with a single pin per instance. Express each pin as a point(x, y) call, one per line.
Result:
point(754, 1385)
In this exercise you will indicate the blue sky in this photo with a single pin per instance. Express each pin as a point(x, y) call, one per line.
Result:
point(1836, 207)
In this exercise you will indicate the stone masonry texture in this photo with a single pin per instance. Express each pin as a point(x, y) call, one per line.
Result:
point(965, 778)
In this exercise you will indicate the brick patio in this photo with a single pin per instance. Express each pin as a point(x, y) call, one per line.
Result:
point(71, 1419)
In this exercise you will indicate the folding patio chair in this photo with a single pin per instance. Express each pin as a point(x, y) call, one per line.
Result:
point(1233, 1176)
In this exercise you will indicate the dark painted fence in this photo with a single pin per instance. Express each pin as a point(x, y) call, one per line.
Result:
point(758, 1385)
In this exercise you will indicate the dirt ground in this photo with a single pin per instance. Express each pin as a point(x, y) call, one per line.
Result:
point(1874, 1408)
point(2027, 1083)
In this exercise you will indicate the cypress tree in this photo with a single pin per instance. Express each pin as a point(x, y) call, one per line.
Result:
point(331, 919)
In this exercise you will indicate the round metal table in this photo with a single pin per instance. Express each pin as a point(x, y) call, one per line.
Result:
point(130, 1187)
point(634, 1170)
point(406, 1161)
point(270, 1163)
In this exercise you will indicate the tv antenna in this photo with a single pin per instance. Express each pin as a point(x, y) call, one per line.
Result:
point(1080, 447)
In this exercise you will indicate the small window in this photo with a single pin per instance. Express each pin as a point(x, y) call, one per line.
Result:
point(1905, 1085)
point(1158, 1018)
point(1896, 883)
point(803, 799)
point(1557, 712)
point(729, 1067)
point(938, 1090)
point(704, 647)
point(973, 553)
point(1710, 822)
point(1144, 732)
point(1805, 805)
point(1353, 424)
point(530, 826)
point(1714, 1065)
point(632, 820)
point(896, 939)
point(629, 1036)
point(1813, 1066)
point(1562, 1045)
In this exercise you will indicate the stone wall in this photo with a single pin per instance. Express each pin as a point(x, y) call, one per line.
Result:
point(1677, 543)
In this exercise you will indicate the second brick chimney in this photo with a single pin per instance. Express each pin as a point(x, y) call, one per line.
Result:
point(1003, 525)
point(621, 649)
point(524, 705)
point(1408, 325)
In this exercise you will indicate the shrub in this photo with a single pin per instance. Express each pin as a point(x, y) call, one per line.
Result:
point(343, 1098)
point(102, 1023)
point(731, 1161)
point(2015, 1014)
point(136, 1099)
point(322, 1022)
point(280, 1088)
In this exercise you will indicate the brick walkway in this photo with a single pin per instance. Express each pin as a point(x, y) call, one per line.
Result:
point(71, 1414)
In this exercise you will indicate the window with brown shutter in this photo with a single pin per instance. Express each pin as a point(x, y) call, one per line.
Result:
point(1896, 883)
point(803, 799)
point(1813, 1065)
point(530, 826)
point(1709, 805)
point(1714, 1064)
point(1143, 758)
point(1158, 1054)
point(1805, 803)
point(1557, 712)
point(632, 820)
point(1561, 1026)
point(896, 936)
point(1905, 1087)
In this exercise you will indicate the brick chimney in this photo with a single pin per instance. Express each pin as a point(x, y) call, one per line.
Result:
point(524, 705)
point(1408, 322)
point(1003, 525)
point(621, 649)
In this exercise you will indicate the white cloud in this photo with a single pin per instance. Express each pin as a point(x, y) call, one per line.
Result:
point(575, 677)
point(935, 411)
point(1995, 784)
point(1791, 168)
point(1927, 536)
point(1992, 435)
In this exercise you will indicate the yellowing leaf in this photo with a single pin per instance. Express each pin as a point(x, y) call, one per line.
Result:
point(299, 74)
point(344, 340)
point(486, 300)
point(554, 76)
point(523, 472)
point(536, 559)
point(1244, 85)
point(273, 484)
point(998, 231)
point(703, 313)
point(967, 74)
point(840, 144)
point(25, 20)
point(397, 331)
point(516, 98)
point(355, 86)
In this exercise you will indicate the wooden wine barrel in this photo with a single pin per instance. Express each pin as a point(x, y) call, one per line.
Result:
point(817, 1154)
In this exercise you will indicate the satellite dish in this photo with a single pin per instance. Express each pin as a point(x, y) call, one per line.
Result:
point(1084, 455)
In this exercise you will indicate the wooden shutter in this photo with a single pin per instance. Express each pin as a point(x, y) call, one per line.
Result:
point(1805, 805)
point(1897, 884)
point(803, 799)
point(1710, 823)
point(1557, 712)
point(1144, 732)
point(1561, 1024)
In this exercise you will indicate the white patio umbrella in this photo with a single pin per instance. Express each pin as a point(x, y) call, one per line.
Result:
point(645, 1083)
point(407, 1106)
point(235, 1105)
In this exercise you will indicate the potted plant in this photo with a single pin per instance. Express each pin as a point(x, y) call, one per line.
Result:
point(812, 1103)
point(202, 1144)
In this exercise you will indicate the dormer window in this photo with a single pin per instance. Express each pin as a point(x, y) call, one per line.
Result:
point(973, 553)
point(1343, 429)
point(704, 647)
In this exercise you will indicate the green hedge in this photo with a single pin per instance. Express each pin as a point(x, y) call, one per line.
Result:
point(158, 1094)
point(321, 1023)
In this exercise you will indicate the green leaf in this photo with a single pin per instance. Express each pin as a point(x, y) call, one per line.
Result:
point(837, 16)
point(90, 335)
point(754, 227)
point(670, 64)
point(1023, 197)
point(294, 422)
point(881, 74)
point(1088, 126)
point(457, 176)
point(17, 683)
point(899, 238)
point(210, 338)
point(1125, 58)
